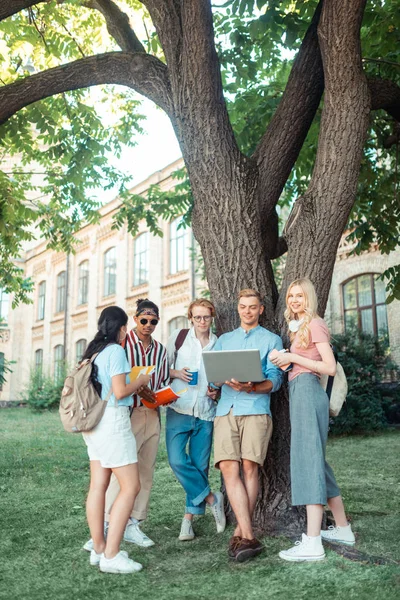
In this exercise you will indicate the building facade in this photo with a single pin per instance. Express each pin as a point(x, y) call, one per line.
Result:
point(112, 267)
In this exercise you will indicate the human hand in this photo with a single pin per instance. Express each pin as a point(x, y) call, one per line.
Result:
point(212, 393)
point(280, 359)
point(143, 380)
point(240, 387)
point(181, 374)
point(147, 394)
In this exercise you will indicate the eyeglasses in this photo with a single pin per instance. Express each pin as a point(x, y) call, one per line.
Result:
point(205, 319)
point(152, 321)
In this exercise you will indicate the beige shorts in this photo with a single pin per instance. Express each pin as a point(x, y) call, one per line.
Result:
point(236, 438)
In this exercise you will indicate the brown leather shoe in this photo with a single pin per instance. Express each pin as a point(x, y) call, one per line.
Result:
point(246, 549)
point(233, 542)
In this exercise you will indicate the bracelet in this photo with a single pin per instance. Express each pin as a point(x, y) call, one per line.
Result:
point(253, 388)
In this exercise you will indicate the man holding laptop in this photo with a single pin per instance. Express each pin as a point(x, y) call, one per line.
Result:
point(243, 424)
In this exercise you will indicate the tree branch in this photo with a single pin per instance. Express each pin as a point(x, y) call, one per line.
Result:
point(385, 94)
point(144, 73)
point(11, 7)
point(117, 24)
point(283, 139)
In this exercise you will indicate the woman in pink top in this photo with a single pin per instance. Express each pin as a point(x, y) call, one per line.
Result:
point(312, 479)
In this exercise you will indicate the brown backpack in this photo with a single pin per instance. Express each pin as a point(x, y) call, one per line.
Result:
point(81, 407)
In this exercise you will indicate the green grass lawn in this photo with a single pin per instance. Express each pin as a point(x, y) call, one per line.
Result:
point(43, 482)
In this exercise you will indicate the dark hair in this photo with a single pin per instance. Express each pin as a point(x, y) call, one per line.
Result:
point(142, 304)
point(110, 322)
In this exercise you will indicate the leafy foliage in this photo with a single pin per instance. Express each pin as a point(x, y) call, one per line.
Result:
point(42, 392)
point(365, 360)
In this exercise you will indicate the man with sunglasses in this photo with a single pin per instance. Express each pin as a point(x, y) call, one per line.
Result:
point(142, 350)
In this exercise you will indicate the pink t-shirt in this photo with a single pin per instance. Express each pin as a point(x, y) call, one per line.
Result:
point(319, 333)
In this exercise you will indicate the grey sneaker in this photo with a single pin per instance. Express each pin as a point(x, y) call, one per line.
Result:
point(135, 535)
point(187, 532)
point(340, 535)
point(217, 510)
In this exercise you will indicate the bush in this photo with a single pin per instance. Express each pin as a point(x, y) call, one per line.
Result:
point(43, 391)
point(364, 359)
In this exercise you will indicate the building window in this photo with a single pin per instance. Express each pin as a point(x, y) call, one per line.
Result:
point(178, 246)
point(141, 259)
point(41, 300)
point(80, 348)
point(3, 308)
point(110, 272)
point(83, 282)
point(2, 370)
point(58, 363)
point(364, 304)
point(177, 323)
point(61, 291)
point(39, 360)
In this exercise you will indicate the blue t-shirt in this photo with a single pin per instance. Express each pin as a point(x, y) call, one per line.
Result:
point(110, 362)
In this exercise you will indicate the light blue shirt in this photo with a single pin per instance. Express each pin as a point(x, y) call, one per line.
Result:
point(110, 362)
point(243, 403)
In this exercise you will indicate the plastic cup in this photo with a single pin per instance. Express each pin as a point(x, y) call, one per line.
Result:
point(195, 376)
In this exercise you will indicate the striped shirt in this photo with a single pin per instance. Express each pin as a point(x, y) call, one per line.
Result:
point(154, 354)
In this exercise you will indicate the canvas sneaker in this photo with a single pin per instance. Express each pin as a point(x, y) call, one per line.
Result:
point(309, 549)
point(119, 564)
point(246, 549)
point(341, 535)
point(135, 535)
point(95, 558)
point(187, 532)
point(217, 510)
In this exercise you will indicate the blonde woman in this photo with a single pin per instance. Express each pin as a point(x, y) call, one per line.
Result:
point(312, 479)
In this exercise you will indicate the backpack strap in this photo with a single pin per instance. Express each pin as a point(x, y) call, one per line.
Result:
point(180, 338)
point(331, 378)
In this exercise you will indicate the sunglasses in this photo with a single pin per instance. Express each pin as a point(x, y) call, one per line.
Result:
point(152, 321)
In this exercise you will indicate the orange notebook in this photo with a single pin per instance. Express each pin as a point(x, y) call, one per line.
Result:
point(164, 396)
point(136, 371)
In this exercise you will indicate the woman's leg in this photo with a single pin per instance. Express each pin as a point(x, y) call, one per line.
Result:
point(314, 519)
point(337, 507)
point(128, 479)
point(99, 480)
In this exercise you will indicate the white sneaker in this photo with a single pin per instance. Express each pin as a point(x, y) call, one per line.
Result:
point(217, 510)
point(119, 564)
point(187, 532)
point(135, 535)
point(309, 549)
point(95, 558)
point(341, 535)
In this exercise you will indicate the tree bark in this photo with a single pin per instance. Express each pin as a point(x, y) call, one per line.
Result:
point(12, 7)
point(317, 221)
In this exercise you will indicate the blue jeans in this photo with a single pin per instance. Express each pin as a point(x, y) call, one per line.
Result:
point(190, 468)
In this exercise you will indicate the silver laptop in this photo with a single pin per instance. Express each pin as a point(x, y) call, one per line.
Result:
point(242, 365)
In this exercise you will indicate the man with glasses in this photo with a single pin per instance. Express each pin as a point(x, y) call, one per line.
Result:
point(142, 350)
point(190, 419)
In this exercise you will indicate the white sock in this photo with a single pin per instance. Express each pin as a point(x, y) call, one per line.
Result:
point(134, 521)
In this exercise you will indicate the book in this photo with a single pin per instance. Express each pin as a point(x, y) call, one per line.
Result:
point(165, 395)
point(136, 371)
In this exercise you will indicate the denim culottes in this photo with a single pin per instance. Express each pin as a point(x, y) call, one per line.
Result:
point(312, 479)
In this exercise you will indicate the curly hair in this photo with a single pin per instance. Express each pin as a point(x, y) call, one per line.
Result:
point(311, 305)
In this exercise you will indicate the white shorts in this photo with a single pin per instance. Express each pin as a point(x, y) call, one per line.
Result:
point(112, 441)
